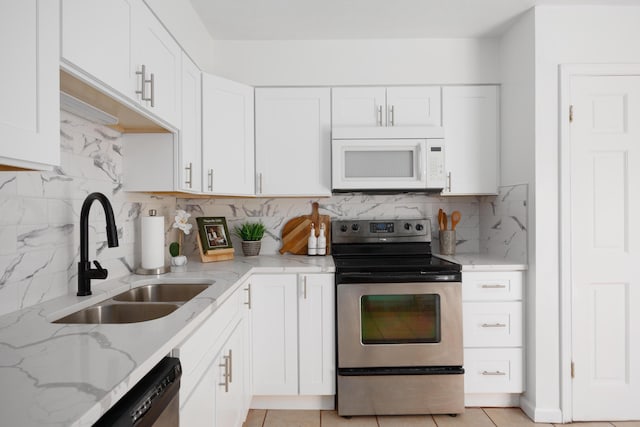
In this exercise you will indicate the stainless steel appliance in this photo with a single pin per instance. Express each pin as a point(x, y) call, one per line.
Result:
point(393, 158)
point(399, 321)
point(153, 401)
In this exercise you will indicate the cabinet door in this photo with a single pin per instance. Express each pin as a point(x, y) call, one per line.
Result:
point(317, 334)
point(227, 130)
point(96, 38)
point(154, 48)
point(274, 321)
point(191, 130)
point(470, 121)
point(413, 106)
point(358, 106)
point(229, 405)
point(30, 85)
point(293, 142)
point(198, 408)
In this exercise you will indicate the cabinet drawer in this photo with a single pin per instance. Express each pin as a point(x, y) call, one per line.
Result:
point(493, 370)
point(492, 324)
point(498, 285)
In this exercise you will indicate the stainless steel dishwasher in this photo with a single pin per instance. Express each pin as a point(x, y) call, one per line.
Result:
point(153, 401)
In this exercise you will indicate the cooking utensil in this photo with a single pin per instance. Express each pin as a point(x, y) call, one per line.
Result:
point(444, 220)
point(455, 219)
point(296, 231)
point(440, 223)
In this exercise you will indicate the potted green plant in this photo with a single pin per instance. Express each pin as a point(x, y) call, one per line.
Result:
point(251, 234)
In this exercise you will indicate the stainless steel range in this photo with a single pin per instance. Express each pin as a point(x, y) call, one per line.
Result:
point(399, 321)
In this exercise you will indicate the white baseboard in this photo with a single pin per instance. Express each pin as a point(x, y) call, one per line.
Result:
point(502, 400)
point(293, 402)
point(540, 415)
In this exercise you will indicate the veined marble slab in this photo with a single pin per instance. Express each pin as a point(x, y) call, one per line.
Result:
point(483, 262)
point(69, 375)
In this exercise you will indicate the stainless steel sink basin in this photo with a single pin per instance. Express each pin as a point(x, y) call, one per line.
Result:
point(119, 313)
point(163, 292)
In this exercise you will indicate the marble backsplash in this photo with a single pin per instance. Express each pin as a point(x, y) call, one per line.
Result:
point(39, 220)
point(275, 212)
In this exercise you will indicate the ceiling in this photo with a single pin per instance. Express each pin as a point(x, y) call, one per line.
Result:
point(366, 19)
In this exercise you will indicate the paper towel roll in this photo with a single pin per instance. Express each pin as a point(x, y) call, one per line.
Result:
point(152, 243)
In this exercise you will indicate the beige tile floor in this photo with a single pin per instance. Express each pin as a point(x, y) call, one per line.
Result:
point(473, 417)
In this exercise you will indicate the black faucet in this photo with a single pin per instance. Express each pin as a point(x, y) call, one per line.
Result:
point(85, 272)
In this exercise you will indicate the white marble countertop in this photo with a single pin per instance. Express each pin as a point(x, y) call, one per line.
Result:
point(483, 262)
point(69, 375)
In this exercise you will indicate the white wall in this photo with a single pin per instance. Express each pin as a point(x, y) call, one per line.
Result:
point(517, 56)
point(357, 62)
point(564, 35)
point(185, 25)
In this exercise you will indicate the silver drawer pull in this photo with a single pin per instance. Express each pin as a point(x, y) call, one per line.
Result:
point(493, 286)
point(494, 325)
point(493, 373)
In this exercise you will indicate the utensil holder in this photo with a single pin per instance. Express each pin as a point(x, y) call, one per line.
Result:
point(447, 242)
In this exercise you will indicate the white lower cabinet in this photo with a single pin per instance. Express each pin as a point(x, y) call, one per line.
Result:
point(292, 327)
point(215, 387)
point(493, 337)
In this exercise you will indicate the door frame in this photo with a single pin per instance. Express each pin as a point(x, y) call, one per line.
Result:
point(568, 71)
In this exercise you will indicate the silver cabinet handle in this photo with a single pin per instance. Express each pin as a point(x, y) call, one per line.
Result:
point(230, 359)
point(260, 182)
point(153, 97)
point(189, 170)
point(143, 82)
point(393, 115)
point(304, 280)
point(496, 286)
point(379, 115)
point(494, 325)
point(210, 179)
point(248, 290)
point(493, 373)
point(449, 182)
point(225, 365)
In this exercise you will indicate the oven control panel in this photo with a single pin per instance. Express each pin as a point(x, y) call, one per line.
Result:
point(392, 231)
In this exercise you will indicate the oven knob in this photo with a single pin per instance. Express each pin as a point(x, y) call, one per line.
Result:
point(343, 228)
point(355, 227)
point(419, 227)
point(407, 226)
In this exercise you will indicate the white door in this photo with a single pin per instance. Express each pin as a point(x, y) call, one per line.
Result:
point(274, 331)
point(29, 87)
point(605, 246)
point(191, 130)
point(227, 137)
point(96, 37)
point(413, 106)
point(317, 334)
point(358, 106)
point(293, 141)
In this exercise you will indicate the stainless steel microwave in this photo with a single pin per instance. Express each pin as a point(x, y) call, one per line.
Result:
point(392, 158)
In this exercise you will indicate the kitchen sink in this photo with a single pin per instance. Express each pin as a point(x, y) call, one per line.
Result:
point(119, 313)
point(163, 292)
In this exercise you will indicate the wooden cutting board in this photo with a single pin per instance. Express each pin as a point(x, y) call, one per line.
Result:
point(295, 232)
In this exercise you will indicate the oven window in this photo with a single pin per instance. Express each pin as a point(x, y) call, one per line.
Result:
point(400, 319)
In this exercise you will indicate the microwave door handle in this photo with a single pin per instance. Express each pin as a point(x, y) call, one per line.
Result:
point(421, 165)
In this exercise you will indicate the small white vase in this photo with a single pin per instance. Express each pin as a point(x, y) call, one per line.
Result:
point(179, 264)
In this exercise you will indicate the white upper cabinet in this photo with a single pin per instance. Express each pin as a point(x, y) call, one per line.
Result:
point(29, 87)
point(471, 126)
point(227, 137)
point(96, 39)
point(157, 62)
point(293, 143)
point(358, 106)
point(122, 46)
point(380, 106)
point(191, 129)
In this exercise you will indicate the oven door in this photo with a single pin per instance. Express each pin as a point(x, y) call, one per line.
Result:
point(399, 324)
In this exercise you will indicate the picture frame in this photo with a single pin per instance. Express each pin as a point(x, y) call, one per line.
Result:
point(214, 234)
